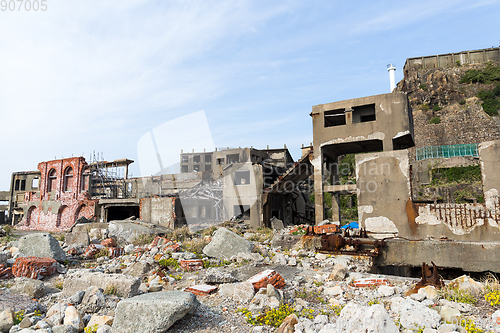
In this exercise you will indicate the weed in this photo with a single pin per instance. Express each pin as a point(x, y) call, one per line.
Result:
point(143, 239)
point(337, 309)
point(487, 75)
point(59, 285)
point(91, 329)
point(104, 252)
point(318, 283)
point(179, 234)
point(310, 296)
point(273, 317)
point(110, 290)
point(195, 245)
point(470, 326)
point(462, 102)
point(435, 120)
point(7, 229)
point(436, 108)
point(373, 301)
point(457, 295)
point(19, 316)
point(170, 262)
point(423, 86)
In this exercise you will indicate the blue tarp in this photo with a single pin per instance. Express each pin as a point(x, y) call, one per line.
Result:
point(352, 225)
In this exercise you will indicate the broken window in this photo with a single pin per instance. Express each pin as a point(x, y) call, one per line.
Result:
point(68, 179)
point(233, 158)
point(196, 159)
point(208, 158)
point(185, 159)
point(242, 177)
point(220, 161)
point(184, 168)
point(335, 118)
point(23, 185)
point(208, 167)
point(363, 113)
point(196, 168)
point(34, 183)
point(51, 183)
point(16, 188)
point(242, 211)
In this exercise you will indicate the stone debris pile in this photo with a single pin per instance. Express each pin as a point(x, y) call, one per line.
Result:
point(225, 280)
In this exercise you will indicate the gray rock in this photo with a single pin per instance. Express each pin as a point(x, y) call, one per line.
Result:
point(125, 285)
point(338, 273)
point(104, 329)
point(126, 231)
point(137, 269)
point(413, 314)
point(6, 320)
point(215, 276)
point(94, 300)
point(276, 224)
point(184, 255)
point(41, 245)
point(280, 259)
point(252, 257)
point(55, 315)
point(226, 244)
point(358, 318)
point(243, 292)
point(77, 237)
point(64, 329)
point(153, 313)
point(77, 297)
point(30, 287)
point(4, 256)
point(227, 290)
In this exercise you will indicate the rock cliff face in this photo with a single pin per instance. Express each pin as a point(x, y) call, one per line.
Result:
point(462, 119)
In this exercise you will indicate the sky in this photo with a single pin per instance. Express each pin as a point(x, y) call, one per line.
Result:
point(97, 75)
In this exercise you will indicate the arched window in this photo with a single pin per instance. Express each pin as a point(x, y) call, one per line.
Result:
point(51, 180)
point(68, 179)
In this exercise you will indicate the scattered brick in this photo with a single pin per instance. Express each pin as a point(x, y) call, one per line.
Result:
point(159, 241)
point(370, 282)
point(158, 256)
point(176, 247)
point(191, 265)
point(73, 252)
point(34, 267)
point(266, 277)
point(116, 251)
point(201, 289)
point(92, 250)
point(326, 229)
point(5, 272)
point(108, 242)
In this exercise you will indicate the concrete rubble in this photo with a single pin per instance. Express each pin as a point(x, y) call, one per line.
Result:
point(147, 289)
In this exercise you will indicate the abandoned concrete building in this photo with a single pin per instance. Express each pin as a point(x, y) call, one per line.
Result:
point(248, 183)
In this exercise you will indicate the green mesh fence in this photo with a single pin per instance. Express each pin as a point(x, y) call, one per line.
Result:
point(446, 151)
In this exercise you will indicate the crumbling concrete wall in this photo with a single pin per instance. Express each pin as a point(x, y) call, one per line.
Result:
point(58, 207)
point(385, 205)
point(159, 211)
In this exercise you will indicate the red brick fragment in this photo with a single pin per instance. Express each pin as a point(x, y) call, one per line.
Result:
point(326, 229)
point(5, 272)
point(159, 241)
point(108, 242)
point(34, 267)
point(92, 250)
point(116, 251)
point(201, 289)
point(370, 282)
point(176, 247)
point(266, 277)
point(73, 252)
point(191, 265)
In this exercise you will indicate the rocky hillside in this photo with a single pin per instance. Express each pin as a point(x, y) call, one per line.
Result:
point(445, 111)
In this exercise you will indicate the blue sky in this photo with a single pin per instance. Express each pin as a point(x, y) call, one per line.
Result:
point(98, 75)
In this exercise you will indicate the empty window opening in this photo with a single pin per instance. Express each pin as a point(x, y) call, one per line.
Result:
point(16, 188)
point(34, 183)
point(23, 185)
point(208, 167)
point(242, 178)
point(196, 159)
point(335, 118)
point(51, 183)
point(208, 158)
point(185, 159)
point(68, 179)
point(276, 214)
point(184, 168)
point(196, 168)
point(242, 211)
point(363, 113)
point(233, 158)
point(122, 212)
point(85, 182)
point(220, 161)
point(203, 211)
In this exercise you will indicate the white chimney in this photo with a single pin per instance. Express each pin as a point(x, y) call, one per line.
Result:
point(392, 76)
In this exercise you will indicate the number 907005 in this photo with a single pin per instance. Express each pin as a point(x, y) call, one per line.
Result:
point(26, 5)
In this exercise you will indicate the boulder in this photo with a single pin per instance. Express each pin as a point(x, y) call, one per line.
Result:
point(73, 318)
point(152, 313)
point(243, 292)
point(6, 320)
point(41, 245)
point(94, 300)
point(30, 287)
point(226, 244)
point(413, 314)
point(276, 223)
point(227, 290)
point(338, 273)
point(77, 297)
point(137, 269)
point(125, 285)
point(125, 232)
point(215, 276)
point(77, 238)
point(252, 257)
point(467, 283)
point(358, 318)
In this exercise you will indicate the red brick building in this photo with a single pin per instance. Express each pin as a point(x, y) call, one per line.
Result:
point(62, 198)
